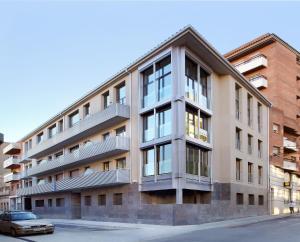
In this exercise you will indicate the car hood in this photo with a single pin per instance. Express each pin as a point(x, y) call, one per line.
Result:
point(31, 222)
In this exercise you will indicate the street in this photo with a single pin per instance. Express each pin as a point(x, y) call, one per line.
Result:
point(279, 229)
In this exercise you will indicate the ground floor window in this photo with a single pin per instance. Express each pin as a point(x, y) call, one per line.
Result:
point(239, 198)
point(87, 200)
point(39, 203)
point(117, 199)
point(60, 202)
point(251, 199)
point(260, 200)
point(102, 200)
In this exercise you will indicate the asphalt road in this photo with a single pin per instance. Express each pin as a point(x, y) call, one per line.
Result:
point(277, 230)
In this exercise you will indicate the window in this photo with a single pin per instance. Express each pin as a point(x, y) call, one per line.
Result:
point(148, 87)
point(250, 172)
point(259, 116)
point(203, 131)
point(250, 138)
point(60, 126)
point(121, 131)
point(50, 203)
point(197, 160)
point(251, 199)
point(74, 173)
point(51, 131)
point(105, 136)
point(238, 138)
point(86, 110)
point(117, 199)
point(164, 122)
point(39, 203)
point(73, 148)
point(191, 120)
point(191, 74)
point(49, 179)
point(59, 154)
point(121, 93)
point(249, 109)
point(238, 167)
point(105, 100)
point(163, 78)
point(239, 198)
point(260, 175)
point(106, 166)
point(276, 128)
point(59, 177)
point(148, 127)
point(259, 148)
point(148, 162)
point(164, 158)
point(39, 137)
point(204, 164)
point(60, 202)
point(73, 118)
point(87, 200)
point(121, 163)
point(237, 102)
point(204, 87)
point(276, 151)
point(260, 200)
point(102, 200)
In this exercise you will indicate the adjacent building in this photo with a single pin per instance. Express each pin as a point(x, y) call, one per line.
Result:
point(167, 140)
point(273, 67)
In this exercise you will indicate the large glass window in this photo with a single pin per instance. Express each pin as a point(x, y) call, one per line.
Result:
point(192, 160)
point(164, 122)
point(164, 158)
point(121, 93)
point(39, 137)
point(204, 87)
point(148, 87)
point(191, 117)
point(73, 118)
point(191, 85)
point(148, 127)
point(106, 100)
point(203, 131)
point(121, 131)
point(148, 160)
point(52, 131)
point(163, 77)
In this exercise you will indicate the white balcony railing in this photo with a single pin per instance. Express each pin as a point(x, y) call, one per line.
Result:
point(110, 116)
point(12, 148)
point(12, 161)
point(289, 165)
point(91, 180)
point(259, 82)
point(288, 144)
point(11, 177)
point(253, 63)
point(93, 152)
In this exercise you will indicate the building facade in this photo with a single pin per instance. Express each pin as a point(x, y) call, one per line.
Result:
point(164, 141)
point(273, 67)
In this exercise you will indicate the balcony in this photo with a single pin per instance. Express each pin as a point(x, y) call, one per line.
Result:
point(86, 154)
point(95, 179)
point(11, 163)
point(109, 117)
point(290, 165)
point(4, 192)
point(254, 63)
point(11, 177)
point(259, 82)
point(289, 145)
point(12, 149)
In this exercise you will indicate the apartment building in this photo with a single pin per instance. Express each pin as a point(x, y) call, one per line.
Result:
point(273, 67)
point(159, 142)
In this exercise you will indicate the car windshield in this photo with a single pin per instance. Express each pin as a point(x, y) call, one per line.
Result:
point(22, 216)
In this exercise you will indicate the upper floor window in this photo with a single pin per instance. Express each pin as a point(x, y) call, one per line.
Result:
point(276, 128)
point(59, 154)
point(238, 168)
point(148, 87)
point(164, 122)
point(121, 131)
point(105, 99)
point(276, 151)
point(86, 110)
point(121, 163)
point(51, 131)
point(259, 116)
point(73, 118)
point(40, 137)
point(191, 120)
point(163, 78)
point(59, 177)
point(197, 161)
point(60, 127)
point(148, 127)
point(121, 93)
point(249, 109)
point(238, 134)
point(106, 166)
point(164, 158)
point(260, 175)
point(250, 146)
point(74, 148)
point(250, 172)
point(74, 173)
point(148, 162)
point(203, 125)
point(259, 148)
point(105, 136)
point(237, 101)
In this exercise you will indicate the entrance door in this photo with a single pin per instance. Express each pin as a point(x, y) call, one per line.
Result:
point(27, 204)
point(76, 205)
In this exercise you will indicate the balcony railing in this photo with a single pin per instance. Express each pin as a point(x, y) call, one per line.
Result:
point(290, 145)
point(110, 116)
point(93, 152)
point(95, 179)
point(11, 162)
point(5, 192)
point(289, 165)
point(259, 82)
point(253, 63)
point(12, 149)
point(11, 177)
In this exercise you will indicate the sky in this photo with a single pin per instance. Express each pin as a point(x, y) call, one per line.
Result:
point(52, 53)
